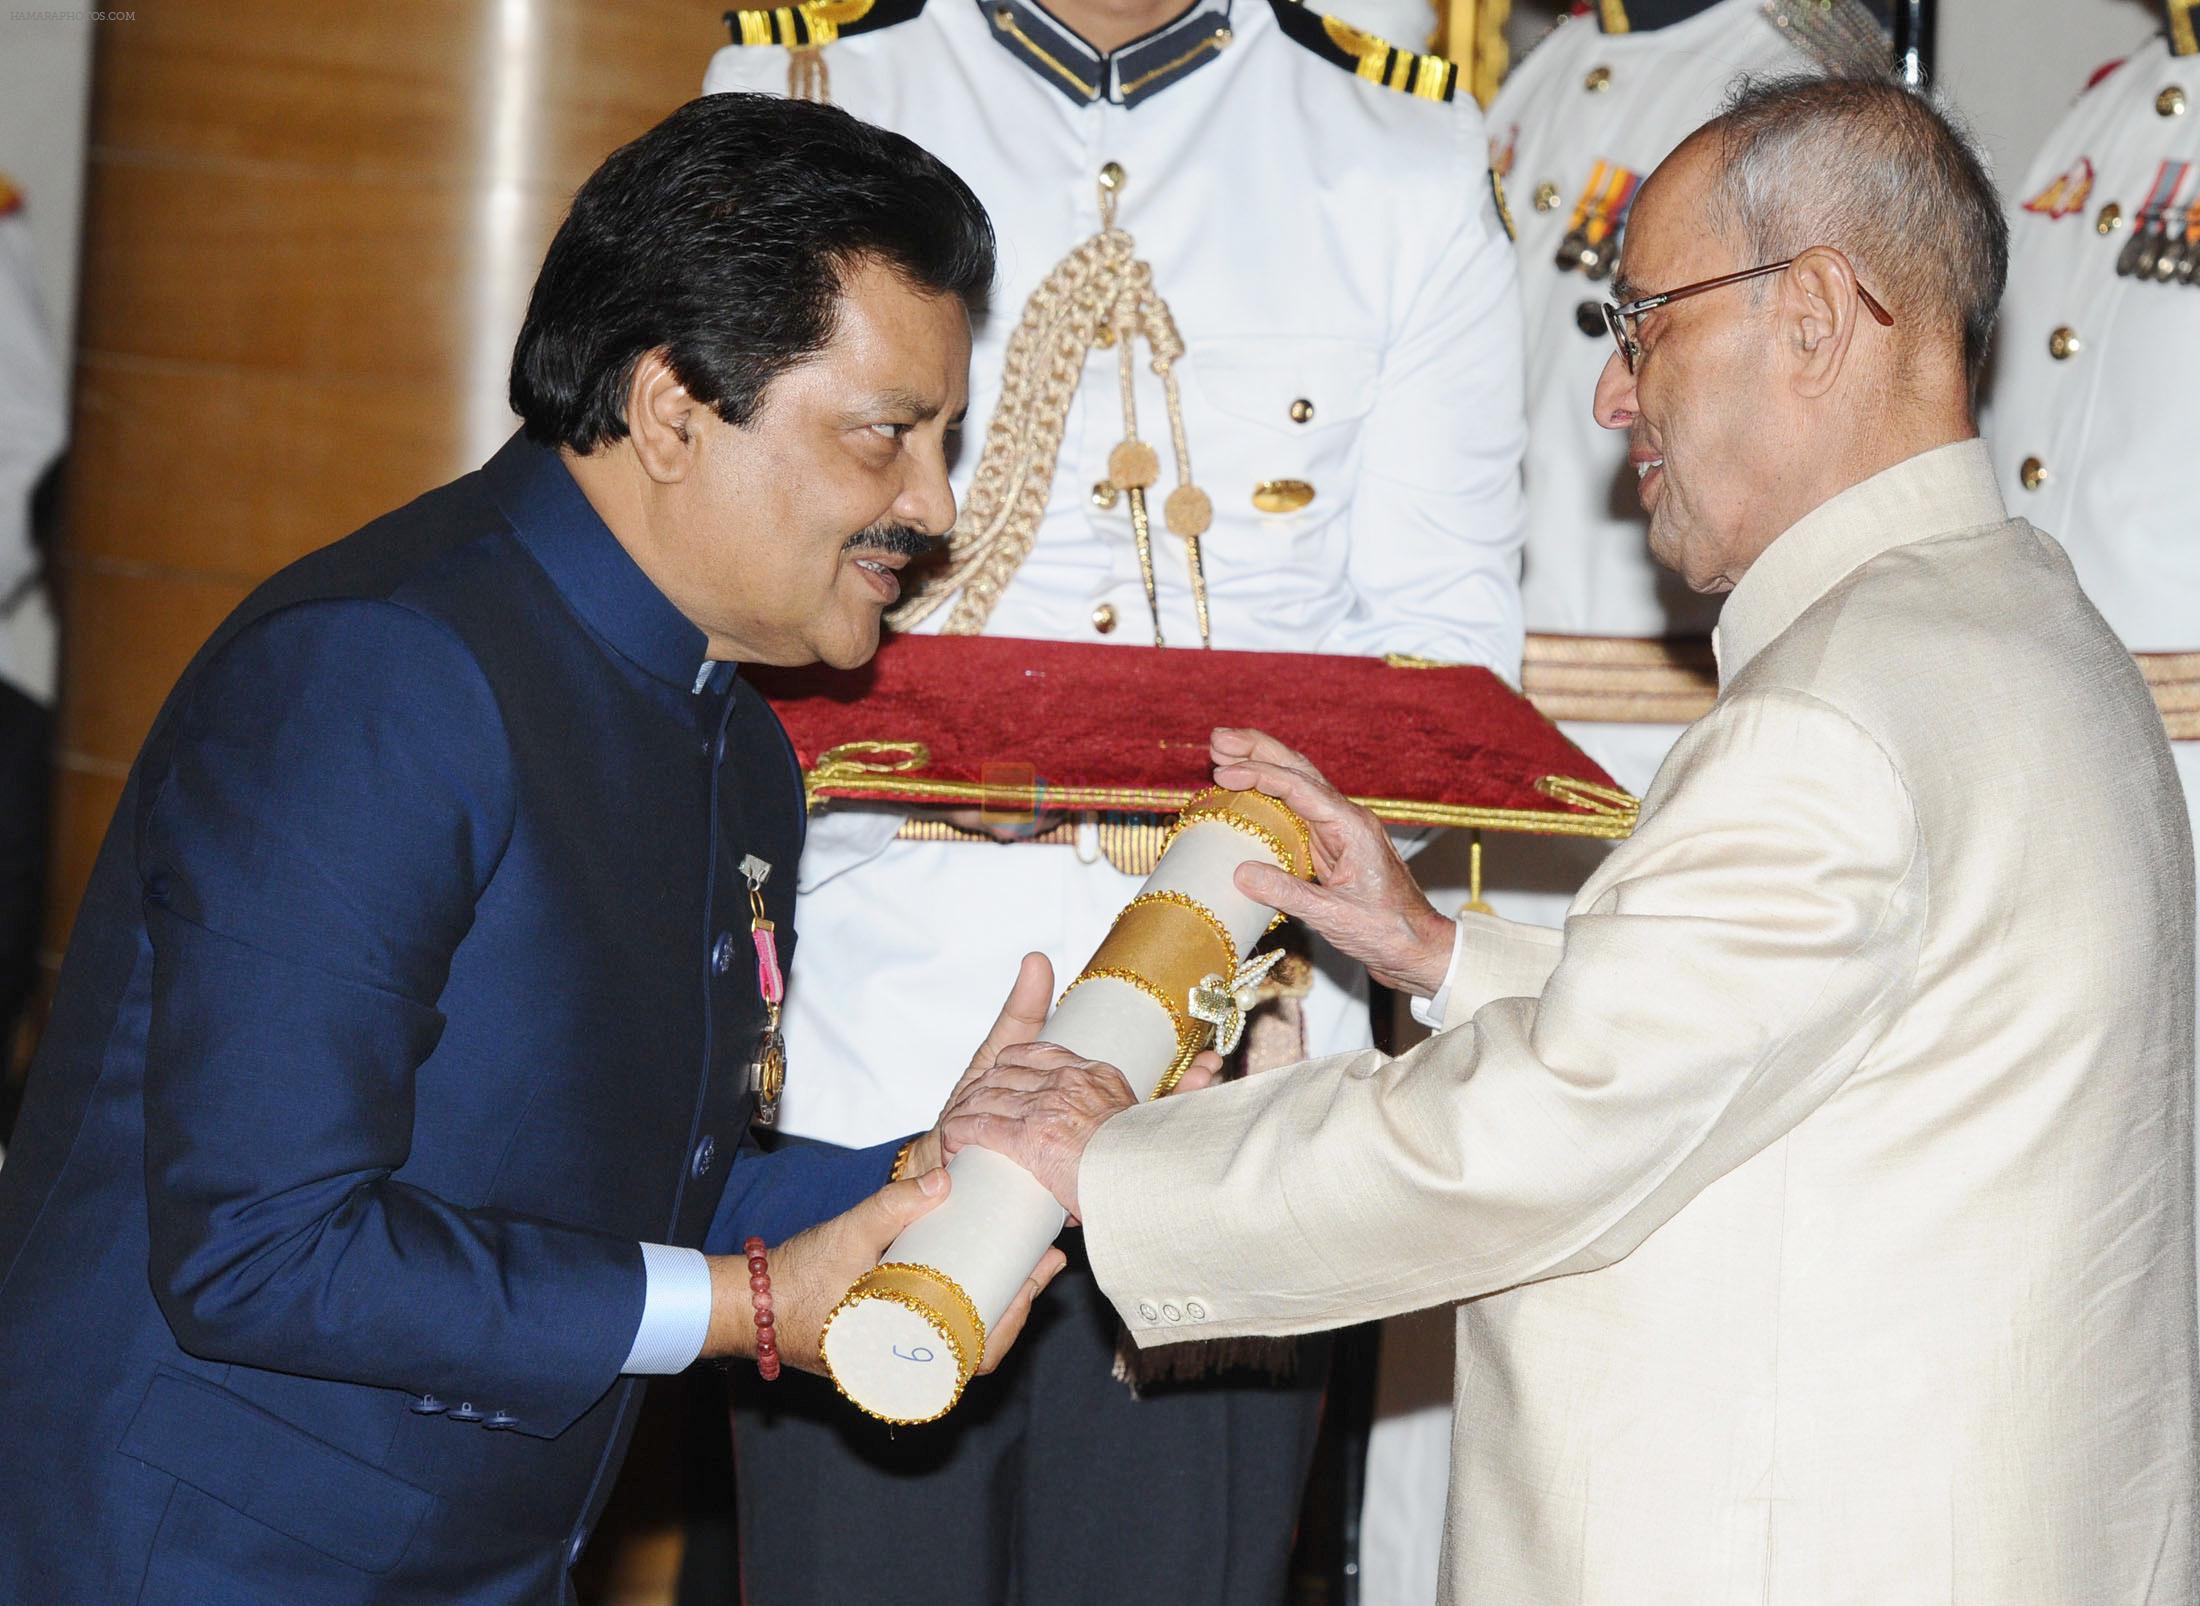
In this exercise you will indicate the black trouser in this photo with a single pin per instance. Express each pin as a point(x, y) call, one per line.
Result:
point(25, 776)
point(1048, 1485)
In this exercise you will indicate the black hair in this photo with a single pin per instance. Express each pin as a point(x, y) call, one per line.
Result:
point(723, 237)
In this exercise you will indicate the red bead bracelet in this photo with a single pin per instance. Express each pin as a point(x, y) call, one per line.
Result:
point(760, 1295)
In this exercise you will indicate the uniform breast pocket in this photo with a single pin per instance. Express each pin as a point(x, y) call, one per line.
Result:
point(1275, 427)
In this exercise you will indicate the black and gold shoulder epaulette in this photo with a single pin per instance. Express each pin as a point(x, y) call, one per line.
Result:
point(817, 22)
point(1376, 60)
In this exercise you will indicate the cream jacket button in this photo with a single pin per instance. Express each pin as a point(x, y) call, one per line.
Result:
point(2032, 473)
point(2064, 344)
point(1172, 1313)
point(1195, 1310)
point(1147, 1312)
point(1103, 617)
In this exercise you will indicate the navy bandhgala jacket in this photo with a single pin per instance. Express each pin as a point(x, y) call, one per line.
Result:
point(412, 992)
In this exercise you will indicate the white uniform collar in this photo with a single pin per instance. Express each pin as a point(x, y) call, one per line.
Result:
point(1937, 492)
point(1125, 76)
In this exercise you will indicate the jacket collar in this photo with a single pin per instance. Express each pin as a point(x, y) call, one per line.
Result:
point(1136, 72)
point(591, 570)
point(1939, 492)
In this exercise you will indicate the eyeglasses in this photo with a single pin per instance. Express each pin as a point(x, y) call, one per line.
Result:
point(1621, 319)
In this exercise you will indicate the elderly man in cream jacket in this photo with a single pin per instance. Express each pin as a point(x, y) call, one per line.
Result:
point(1819, 1200)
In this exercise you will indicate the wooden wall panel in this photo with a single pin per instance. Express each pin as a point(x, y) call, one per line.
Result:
point(309, 239)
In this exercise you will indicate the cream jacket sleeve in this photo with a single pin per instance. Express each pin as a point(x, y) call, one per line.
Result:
point(1717, 979)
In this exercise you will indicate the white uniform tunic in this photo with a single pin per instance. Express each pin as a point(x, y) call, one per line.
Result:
point(2093, 373)
point(1336, 265)
point(32, 426)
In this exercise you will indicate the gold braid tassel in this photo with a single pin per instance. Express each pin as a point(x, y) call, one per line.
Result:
point(807, 75)
point(1100, 294)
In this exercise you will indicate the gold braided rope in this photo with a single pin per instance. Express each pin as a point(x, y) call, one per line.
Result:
point(1100, 294)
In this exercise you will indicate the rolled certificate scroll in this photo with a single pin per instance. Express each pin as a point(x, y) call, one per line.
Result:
point(1171, 976)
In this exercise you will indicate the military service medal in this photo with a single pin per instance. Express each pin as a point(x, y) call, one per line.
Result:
point(2150, 239)
point(768, 1062)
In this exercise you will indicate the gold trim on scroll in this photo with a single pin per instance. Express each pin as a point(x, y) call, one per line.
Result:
point(932, 1295)
point(1268, 821)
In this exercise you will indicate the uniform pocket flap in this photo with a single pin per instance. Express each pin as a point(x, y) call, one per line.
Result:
point(1295, 387)
point(257, 1464)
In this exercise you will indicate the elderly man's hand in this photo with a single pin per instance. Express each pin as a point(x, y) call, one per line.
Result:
point(1040, 1104)
point(1366, 902)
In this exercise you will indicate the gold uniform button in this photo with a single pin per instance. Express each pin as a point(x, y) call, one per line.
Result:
point(1282, 496)
point(1222, 37)
point(1598, 81)
point(1111, 176)
point(1103, 495)
point(1103, 618)
point(1546, 196)
point(1302, 411)
point(1003, 18)
point(2032, 473)
point(2064, 344)
point(2109, 219)
point(2170, 102)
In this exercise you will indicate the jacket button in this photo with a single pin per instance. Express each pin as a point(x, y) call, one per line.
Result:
point(1598, 80)
point(1172, 1313)
point(721, 953)
point(706, 1152)
point(1103, 618)
point(1147, 1312)
point(2032, 474)
point(1195, 1310)
point(465, 1411)
point(2170, 102)
point(1302, 411)
point(501, 1419)
point(2064, 344)
point(426, 1405)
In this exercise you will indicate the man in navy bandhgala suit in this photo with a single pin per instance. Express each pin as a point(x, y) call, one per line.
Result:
point(393, 1117)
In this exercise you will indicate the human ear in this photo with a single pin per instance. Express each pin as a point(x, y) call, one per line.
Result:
point(1819, 309)
point(660, 420)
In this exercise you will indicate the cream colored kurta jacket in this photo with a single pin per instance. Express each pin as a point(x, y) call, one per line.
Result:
point(1821, 1197)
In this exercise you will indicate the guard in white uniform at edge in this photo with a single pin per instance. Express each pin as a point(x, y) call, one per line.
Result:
point(32, 427)
point(2097, 360)
point(1578, 124)
point(1317, 216)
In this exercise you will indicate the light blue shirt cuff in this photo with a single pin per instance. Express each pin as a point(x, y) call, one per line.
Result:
point(675, 1310)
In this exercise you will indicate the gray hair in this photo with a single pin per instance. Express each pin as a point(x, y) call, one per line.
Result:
point(1879, 173)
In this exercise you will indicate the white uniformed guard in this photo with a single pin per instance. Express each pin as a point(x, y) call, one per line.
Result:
point(2097, 361)
point(1313, 209)
point(1576, 127)
point(32, 425)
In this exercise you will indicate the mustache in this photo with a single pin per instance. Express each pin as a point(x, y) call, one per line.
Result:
point(903, 539)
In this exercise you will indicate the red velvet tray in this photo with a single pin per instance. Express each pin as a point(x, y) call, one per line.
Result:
point(1012, 726)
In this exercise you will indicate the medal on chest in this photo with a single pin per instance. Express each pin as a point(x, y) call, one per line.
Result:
point(2153, 251)
point(768, 1060)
